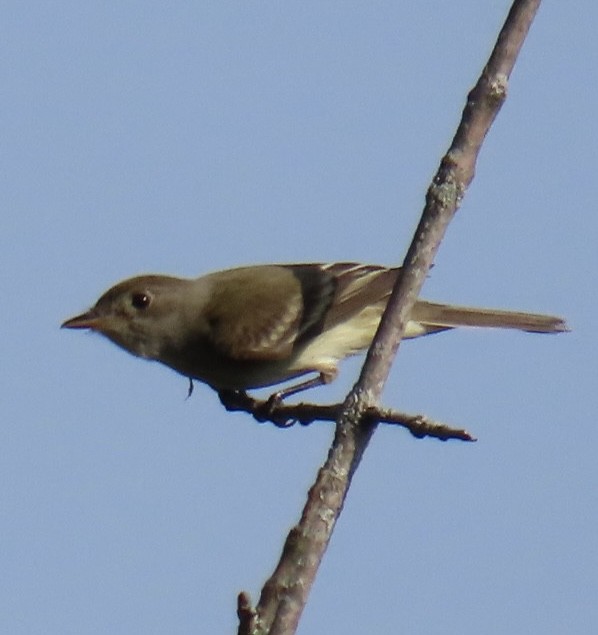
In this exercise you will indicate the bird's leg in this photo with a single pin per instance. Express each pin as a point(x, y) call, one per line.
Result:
point(265, 410)
point(276, 398)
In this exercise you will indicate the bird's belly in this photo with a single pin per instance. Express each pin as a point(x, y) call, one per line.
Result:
point(222, 372)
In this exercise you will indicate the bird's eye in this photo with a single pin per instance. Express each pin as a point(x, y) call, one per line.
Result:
point(141, 300)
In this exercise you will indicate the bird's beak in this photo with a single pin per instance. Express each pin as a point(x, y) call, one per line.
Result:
point(88, 320)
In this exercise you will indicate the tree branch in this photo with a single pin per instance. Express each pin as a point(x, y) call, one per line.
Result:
point(287, 415)
point(285, 593)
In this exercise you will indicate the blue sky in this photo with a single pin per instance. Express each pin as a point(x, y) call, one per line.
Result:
point(183, 138)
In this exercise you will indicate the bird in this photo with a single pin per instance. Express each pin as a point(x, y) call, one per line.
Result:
point(262, 325)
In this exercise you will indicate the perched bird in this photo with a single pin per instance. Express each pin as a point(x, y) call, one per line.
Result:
point(258, 326)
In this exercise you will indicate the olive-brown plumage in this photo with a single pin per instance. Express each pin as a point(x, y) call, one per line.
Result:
point(257, 326)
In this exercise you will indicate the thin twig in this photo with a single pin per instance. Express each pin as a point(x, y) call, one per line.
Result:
point(286, 415)
point(246, 613)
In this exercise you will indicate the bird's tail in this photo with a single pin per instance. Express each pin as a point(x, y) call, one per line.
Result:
point(446, 316)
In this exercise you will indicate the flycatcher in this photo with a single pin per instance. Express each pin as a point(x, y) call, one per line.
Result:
point(258, 326)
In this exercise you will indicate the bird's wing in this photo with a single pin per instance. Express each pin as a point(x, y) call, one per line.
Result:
point(357, 287)
point(259, 313)
point(262, 313)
